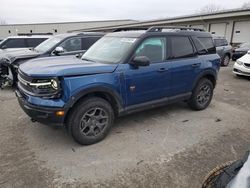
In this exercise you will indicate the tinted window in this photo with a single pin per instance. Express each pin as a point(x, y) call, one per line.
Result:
point(218, 42)
point(201, 49)
point(73, 44)
point(208, 44)
point(89, 41)
point(33, 42)
point(181, 47)
point(153, 48)
point(14, 43)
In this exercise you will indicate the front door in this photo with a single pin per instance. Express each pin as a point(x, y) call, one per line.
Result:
point(152, 82)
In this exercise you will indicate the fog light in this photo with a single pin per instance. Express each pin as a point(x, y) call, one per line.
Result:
point(60, 113)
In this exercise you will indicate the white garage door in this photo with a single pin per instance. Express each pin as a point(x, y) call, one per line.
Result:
point(241, 32)
point(218, 29)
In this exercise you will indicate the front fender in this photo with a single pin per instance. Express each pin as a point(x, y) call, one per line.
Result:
point(92, 89)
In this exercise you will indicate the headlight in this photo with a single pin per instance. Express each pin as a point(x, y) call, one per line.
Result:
point(239, 62)
point(47, 88)
point(54, 84)
point(45, 84)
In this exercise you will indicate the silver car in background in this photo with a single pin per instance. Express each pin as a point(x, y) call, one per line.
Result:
point(223, 49)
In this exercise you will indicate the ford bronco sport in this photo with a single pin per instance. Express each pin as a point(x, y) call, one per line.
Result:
point(123, 72)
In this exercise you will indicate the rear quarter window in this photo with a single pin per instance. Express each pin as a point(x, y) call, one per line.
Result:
point(204, 45)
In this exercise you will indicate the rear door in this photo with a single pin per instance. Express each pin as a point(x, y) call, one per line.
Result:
point(185, 64)
point(33, 42)
point(219, 47)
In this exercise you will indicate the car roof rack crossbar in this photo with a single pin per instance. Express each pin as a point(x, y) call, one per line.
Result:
point(160, 28)
point(130, 29)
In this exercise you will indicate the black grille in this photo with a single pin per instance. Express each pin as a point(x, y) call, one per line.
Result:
point(4, 70)
point(23, 81)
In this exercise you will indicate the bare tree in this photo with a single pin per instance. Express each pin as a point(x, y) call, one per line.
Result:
point(3, 22)
point(210, 8)
point(246, 5)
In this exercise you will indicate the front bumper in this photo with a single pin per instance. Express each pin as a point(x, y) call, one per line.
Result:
point(241, 70)
point(40, 114)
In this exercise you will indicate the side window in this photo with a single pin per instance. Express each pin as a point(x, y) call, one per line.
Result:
point(33, 42)
point(217, 42)
point(73, 44)
point(181, 47)
point(153, 48)
point(208, 43)
point(88, 41)
point(15, 43)
point(201, 49)
point(225, 43)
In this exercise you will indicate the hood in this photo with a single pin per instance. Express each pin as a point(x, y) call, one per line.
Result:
point(14, 54)
point(245, 59)
point(64, 66)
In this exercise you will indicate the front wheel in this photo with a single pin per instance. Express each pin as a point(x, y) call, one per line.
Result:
point(202, 95)
point(91, 120)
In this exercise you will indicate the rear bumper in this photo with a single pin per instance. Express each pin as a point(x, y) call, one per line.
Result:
point(40, 114)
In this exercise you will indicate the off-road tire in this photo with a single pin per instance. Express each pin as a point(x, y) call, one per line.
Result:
point(77, 120)
point(195, 102)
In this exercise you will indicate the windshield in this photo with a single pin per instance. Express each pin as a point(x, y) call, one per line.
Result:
point(109, 49)
point(48, 44)
point(245, 45)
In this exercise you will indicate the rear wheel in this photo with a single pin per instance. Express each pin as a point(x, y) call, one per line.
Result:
point(202, 95)
point(226, 60)
point(91, 120)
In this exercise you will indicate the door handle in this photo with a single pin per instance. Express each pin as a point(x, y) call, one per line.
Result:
point(162, 70)
point(196, 65)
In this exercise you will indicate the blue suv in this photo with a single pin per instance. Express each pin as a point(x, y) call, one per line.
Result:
point(123, 72)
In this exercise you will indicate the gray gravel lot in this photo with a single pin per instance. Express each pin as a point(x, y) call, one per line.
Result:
point(171, 146)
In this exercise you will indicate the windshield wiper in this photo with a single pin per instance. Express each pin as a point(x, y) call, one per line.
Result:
point(85, 59)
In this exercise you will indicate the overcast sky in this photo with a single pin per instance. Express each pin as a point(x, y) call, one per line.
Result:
point(33, 11)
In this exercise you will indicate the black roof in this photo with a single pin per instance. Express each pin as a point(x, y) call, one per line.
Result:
point(160, 30)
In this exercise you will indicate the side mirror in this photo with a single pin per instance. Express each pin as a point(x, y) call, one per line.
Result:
point(79, 55)
point(4, 47)
point(140, 61)
point(58, 50)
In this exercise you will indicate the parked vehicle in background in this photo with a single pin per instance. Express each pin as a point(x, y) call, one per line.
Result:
point(224, 49)
point(123, 72)
point(59, 45)
point(242, 65)
point(241, 51)
point(30, 41)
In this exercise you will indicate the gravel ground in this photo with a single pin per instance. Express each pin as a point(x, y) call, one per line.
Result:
point(171, 146)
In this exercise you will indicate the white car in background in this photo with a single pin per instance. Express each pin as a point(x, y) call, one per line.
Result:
point(242, 65)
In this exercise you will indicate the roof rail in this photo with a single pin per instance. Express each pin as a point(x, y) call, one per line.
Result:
point(160, 28)
point(31, 34)
point(130, 29)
